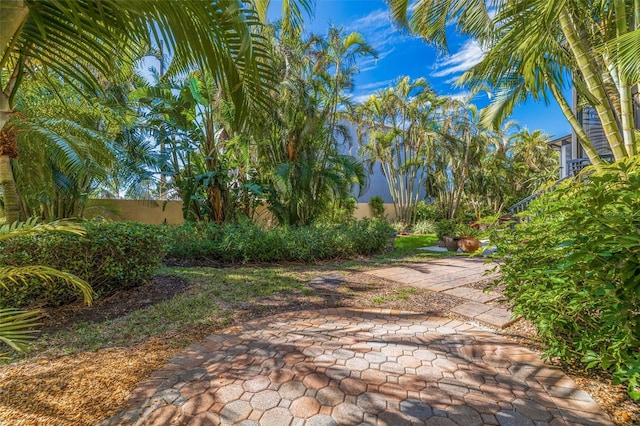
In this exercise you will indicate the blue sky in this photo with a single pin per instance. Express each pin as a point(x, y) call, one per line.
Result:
point(401, 54)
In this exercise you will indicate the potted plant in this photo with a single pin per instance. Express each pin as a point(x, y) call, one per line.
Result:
point(467, 238)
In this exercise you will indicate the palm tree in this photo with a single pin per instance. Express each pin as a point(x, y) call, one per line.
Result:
point(72, 146)
point(17, 327)
point(396, 128)
point(78, 40)
point(532, 46)
point(298, 140)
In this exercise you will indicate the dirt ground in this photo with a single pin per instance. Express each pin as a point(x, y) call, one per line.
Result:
point(82, 389)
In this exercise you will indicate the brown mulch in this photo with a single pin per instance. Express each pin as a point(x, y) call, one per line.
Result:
point(161, 287)
point(83, 389)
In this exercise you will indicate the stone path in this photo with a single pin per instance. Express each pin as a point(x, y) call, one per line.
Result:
point(352, 367)
point(452, 276)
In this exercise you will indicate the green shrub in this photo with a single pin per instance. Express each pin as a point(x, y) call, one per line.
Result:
point(377, 207)
point(110, 256)
point(424, 227)
point(428, 211)
point(246, 242)
point(398, 227)
point(446, 227)
point(572, 267)
point(465, 230)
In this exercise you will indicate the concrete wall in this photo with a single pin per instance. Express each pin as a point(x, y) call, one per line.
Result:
point(152, 212)
point(170, 212)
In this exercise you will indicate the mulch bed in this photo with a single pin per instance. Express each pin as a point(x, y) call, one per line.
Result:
point(83, 389)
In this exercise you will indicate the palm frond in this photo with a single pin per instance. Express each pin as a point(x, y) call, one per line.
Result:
point(17, 328)
point(21, 274)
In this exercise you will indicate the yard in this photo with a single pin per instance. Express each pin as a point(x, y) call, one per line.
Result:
point(88, 359)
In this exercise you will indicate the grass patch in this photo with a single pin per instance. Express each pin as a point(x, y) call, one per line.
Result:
point(401, 294)
point(211, 301)
point(408, 242)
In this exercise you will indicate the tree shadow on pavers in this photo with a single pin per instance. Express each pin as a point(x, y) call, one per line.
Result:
point(330, 364)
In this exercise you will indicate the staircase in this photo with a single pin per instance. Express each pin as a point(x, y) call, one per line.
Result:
point(523, 204)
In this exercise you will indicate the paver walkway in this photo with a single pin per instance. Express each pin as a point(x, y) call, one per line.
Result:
point(353, 367)
point(452, 276)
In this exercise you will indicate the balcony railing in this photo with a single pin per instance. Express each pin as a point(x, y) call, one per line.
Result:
point(575, 166)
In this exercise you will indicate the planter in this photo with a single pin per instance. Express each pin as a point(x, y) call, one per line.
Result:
point(469, 244)
point(450, 243)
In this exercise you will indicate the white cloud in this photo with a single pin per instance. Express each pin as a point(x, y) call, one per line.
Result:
point(380, 33)
point(460, 96)
point(469, 55)
point(376, 19)
point(377, 85)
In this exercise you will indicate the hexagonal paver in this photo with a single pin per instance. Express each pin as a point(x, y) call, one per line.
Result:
point(256, 384)
point(374, 377)
point(265, 400)
point(337, 372)
point(409, 361)
point(415, 409)
point(316, 381)
point(276, 417)
point(424, 355)
point(347, 414)
point(229, 393)
point(372, 403)
point(235, 411)
point(305, 407)
point(292, 390)
point(349, 366)
point(321, 420)
point(330, 396)
point(352, 386)
point(357, 364)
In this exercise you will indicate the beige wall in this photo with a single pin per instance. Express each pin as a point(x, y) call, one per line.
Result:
point(364, 210)
point(156, 212)
point(152, 212)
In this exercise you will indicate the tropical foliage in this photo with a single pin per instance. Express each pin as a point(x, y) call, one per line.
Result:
point(109, 256)
point(305, 173)
point(78, 40)
point(17, 327)
point(572, 268)
point(436, 147)
point(533, 46)
point(397, 129)
point(246, 242)
point(72, 147)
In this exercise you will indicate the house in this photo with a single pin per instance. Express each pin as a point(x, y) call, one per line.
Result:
point(572, 155)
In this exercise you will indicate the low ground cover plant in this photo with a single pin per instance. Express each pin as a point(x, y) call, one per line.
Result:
point(109, 256)
point(247, 242)
point(572, 267)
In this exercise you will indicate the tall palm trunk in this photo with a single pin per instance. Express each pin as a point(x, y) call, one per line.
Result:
point(594, 84)
point(13, 17)
point(8, 149)
point(9, 190)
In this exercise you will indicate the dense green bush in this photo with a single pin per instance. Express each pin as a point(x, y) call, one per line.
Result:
point(110, 256)
point(246, 242)
point(572, 267)
point(446, 227)
point(428, 211)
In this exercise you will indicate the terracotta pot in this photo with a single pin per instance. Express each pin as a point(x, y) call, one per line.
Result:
point(450, 243)
point(469, 244)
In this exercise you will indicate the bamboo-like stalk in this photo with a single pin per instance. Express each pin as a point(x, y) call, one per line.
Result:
point(594, 84)
point(626, 104)
point(583, 139)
